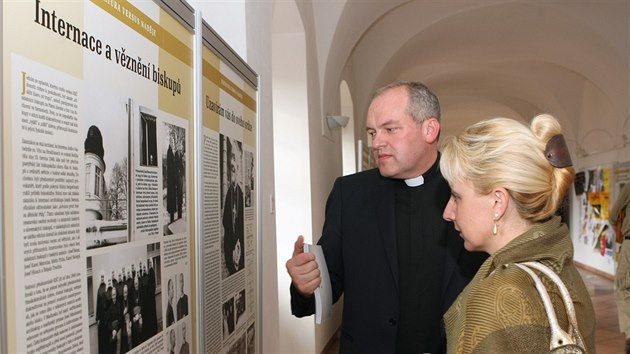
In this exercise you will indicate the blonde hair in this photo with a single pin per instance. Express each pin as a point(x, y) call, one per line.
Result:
point(503, 152)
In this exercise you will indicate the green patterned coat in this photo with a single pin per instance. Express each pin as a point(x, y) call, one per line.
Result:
point(500, 310)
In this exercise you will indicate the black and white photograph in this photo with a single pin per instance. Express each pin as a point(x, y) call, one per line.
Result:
point(182, 296)
point(249, 178)
point(239, 304)
point(232, 207)
point(173, 179)
point(239, 346)
point(123, 292)
point(184, 347)
point(170, 301)
point(177, 338)
point(177, 300)
point(228, 317)
point(148, 139)
point(171, 341)
point(251, 339)
point(106, 152)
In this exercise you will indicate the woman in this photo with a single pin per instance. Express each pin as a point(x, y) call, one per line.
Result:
point(507, 182)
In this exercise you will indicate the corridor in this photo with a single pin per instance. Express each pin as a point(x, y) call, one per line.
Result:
point(607, 337)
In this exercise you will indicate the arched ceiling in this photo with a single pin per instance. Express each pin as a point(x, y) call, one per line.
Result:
point(492, 58)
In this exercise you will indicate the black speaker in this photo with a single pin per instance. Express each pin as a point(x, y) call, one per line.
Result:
point(579, 182)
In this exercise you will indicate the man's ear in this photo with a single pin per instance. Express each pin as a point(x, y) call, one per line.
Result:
point(431, 130)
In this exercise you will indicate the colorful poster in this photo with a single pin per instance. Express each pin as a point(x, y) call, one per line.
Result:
point(595, 205)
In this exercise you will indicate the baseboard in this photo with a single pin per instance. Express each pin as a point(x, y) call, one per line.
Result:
point(333, 344)
point(595, 271)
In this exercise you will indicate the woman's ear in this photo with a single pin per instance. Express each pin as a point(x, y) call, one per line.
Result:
point(501, 199)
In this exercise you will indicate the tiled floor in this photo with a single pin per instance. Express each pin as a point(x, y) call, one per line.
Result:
point(608, 339)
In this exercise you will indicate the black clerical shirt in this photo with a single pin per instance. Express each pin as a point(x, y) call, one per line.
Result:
point(421, 233)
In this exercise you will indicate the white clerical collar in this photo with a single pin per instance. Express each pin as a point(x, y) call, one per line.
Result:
point(415, 182)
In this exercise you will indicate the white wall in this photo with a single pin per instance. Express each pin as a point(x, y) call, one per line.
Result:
point(227, 18)
point(292, 174)
point(348, 140)
point(258, 16)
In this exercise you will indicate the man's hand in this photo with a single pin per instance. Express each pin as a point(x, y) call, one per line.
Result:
point(303, 269)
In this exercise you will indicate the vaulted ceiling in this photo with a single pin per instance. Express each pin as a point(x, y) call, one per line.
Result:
point(491, 58)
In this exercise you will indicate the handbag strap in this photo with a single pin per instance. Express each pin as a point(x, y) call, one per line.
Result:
point(558, 336)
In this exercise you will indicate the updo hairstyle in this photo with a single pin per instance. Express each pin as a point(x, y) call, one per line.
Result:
point(503, 152)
